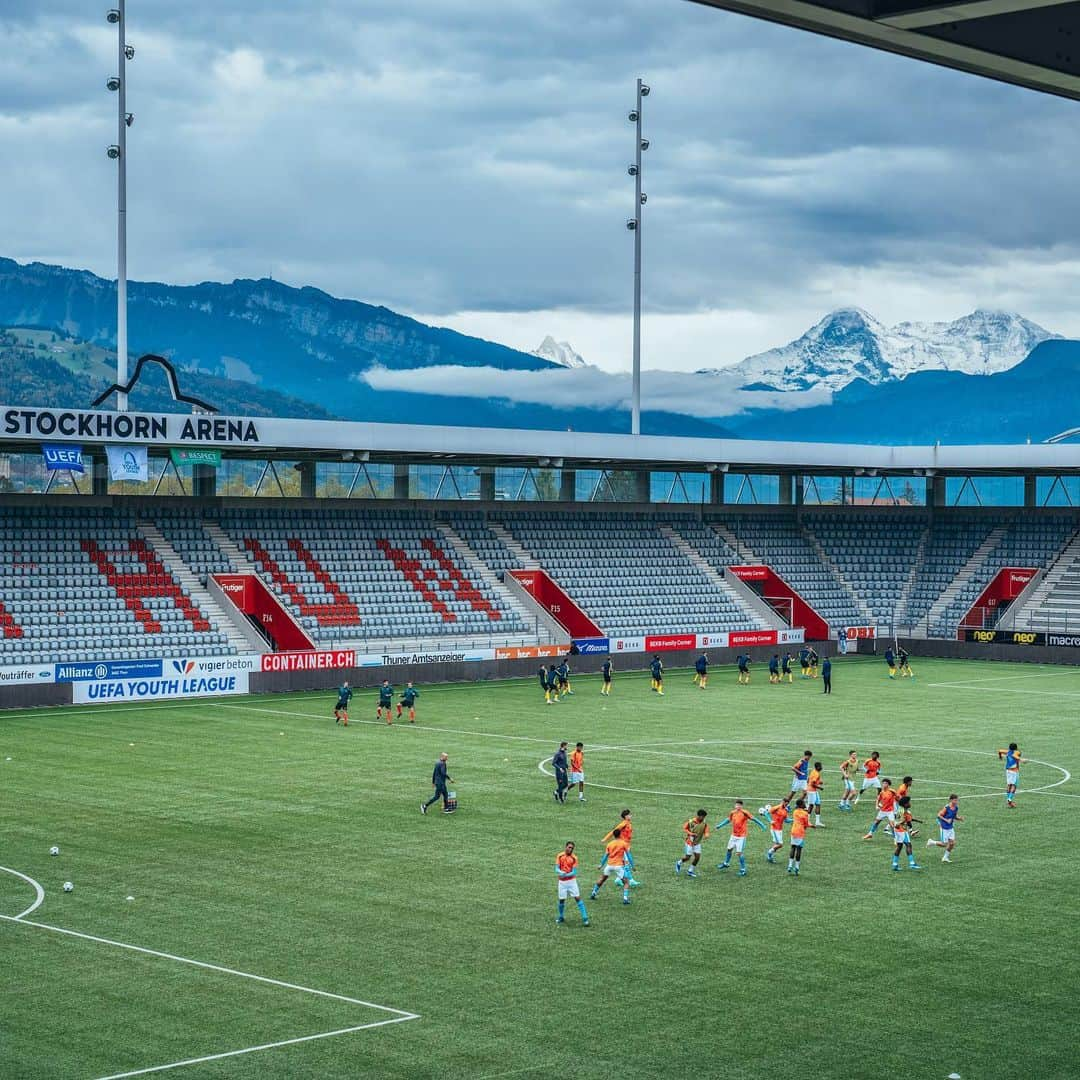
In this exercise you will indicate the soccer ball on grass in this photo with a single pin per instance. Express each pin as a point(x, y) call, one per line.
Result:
point(68, 887)
point(54, 850)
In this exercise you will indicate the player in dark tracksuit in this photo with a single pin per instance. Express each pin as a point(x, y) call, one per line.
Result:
point(386, 701)
point(341, 709)
point(656, 667)
point(408, 701)
point(774, 668)
point(546, 686)
point(826, 675)
point(562, 775)
point(785, 668)
point(605, 671)
point(564, 678)
point(743, 660)
point(701, 671)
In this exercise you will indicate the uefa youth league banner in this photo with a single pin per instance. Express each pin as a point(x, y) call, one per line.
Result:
point(128, 463)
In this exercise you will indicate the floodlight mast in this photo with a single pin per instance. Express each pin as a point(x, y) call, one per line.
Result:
point(634, 225)
point(118, 151)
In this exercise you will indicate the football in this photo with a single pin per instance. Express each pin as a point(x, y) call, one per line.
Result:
point(68, 887)
point(763, 810)
point(54, 850)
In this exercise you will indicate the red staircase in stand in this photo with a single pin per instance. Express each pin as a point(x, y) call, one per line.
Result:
point(461, 586)
point(8, 624)
point(340, 612)
point(417, 577)
point(155, 581)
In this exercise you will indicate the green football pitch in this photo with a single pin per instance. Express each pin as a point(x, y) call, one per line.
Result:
point(257, 895)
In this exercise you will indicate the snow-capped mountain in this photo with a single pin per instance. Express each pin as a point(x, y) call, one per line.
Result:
point(851, 344)
point(558, 352)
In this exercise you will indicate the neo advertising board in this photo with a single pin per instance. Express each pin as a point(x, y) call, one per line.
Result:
point(1023, 637)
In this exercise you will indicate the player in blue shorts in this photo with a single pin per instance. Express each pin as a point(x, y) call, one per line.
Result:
point(785, 668)
point(801, 771)
point(947, 818)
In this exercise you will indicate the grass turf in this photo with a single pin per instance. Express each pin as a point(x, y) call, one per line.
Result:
point(256, 835)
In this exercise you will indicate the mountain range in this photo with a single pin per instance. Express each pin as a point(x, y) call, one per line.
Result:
point(849, 344)
point(264, 348)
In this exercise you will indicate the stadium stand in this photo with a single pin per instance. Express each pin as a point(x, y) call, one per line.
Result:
point(85, 579)
point(874, 554)
point(122, 585)
point(628, 576)
point(352, 575)
point(779, 541)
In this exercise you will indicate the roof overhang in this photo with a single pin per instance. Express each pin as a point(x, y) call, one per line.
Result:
point(24, 430)
point(1031, 43)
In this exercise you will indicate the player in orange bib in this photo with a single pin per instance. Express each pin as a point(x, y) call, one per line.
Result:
point(615, 865)
point(814, 784)
point(871, 767)
point(739, 819)
point(778, 814)
point(886, 808)
point(628, 835)
point(577, 770)
point(566, 867)
point(799, 824)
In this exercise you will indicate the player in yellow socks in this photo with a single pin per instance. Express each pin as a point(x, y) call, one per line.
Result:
point(701, 671)
point(605, 674)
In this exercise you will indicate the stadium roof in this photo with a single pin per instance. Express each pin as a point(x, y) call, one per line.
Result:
point(1032, 43)
point(26, 429)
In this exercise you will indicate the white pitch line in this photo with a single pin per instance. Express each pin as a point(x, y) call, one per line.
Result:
point(256, 1049)
point(37, 889)
point(1010, 690)
point(401, 1013)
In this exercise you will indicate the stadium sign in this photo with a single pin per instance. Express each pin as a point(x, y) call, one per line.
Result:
point(1017, 637)
point(98, 671)
point(529, 652)
point(1022, 637)
point(26, 673)
point(592, 646)
point(85, 424)
point(332, 660)
point(193, 685)
point(670, 642)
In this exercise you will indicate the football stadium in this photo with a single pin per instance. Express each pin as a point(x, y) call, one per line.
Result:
point(350, 749)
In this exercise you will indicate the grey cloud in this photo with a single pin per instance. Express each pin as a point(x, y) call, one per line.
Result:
point(447, 155)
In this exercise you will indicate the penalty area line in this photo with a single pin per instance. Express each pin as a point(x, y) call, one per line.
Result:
point(398, 1015)
point(257, 1049)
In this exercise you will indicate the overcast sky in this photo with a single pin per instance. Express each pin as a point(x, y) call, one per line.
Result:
point(465, 161)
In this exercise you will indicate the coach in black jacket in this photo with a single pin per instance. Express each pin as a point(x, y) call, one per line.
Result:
point(439, 780)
